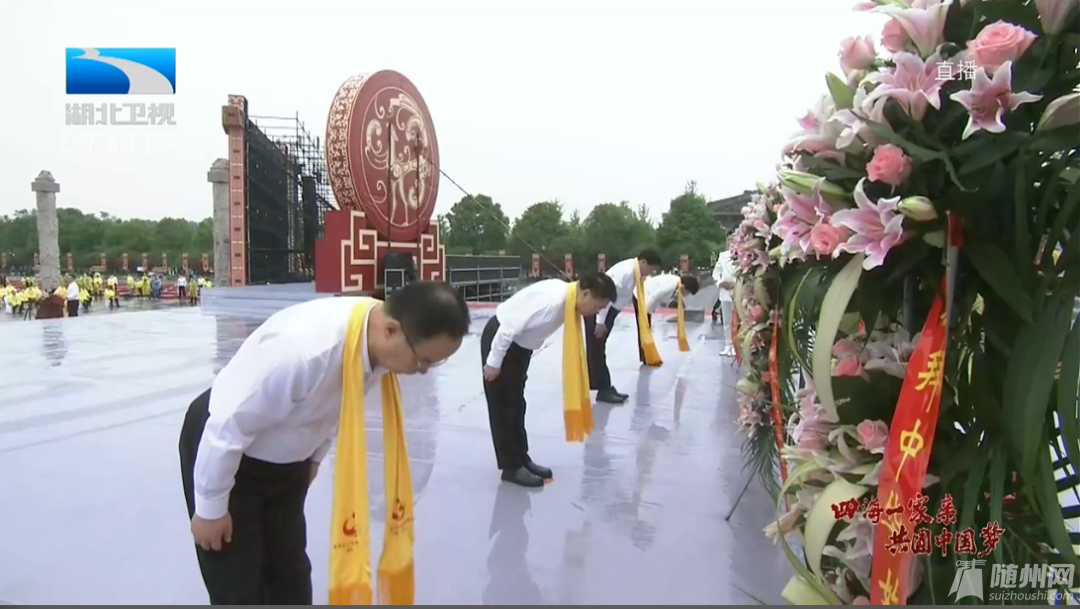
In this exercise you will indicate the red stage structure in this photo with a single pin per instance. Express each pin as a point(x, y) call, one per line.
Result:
point(383, 160)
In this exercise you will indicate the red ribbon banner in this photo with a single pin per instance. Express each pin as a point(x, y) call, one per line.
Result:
point(907, 456)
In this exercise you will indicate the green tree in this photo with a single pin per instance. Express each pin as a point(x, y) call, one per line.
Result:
point(540, 229)
point(688, 228)
point(88, 236)
point(477, 225)
point(571, 241)
point(616, 231)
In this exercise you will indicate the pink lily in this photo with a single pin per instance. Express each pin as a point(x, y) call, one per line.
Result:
point(924, 23)
point(914, 84)
point(876, 227)
point(797, 216)
point(987, 100)
point(819, 133)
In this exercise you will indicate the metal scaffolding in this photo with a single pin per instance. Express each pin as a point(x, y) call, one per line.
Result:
point(289, 190)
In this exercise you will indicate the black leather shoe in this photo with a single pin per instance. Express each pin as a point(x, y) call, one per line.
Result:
point(608, 396)
point(538, 470)
point(522, 477)
point(623, 396)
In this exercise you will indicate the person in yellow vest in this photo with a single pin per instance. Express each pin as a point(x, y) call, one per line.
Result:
point(98, 285)
point(251, 444)
point(86, 299)
point(519, 327)
point(133, 288)
point(194, 288)
point(110, 296)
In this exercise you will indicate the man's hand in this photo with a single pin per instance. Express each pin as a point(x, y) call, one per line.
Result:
point(490, 374)
point(727, 285)
point(601, 331)
point(314, 471)
point(212, 534)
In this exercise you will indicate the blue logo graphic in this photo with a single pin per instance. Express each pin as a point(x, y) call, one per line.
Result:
point(108, 71)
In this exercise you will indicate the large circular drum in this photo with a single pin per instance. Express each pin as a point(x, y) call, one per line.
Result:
point(382, 153)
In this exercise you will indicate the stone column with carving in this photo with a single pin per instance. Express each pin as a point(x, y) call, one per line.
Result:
point(219, 177)
point(48, 227)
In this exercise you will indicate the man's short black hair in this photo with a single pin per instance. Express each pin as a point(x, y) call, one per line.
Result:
point(691, 283)
point(599, 284)
point(651, 256)
point(427, 309)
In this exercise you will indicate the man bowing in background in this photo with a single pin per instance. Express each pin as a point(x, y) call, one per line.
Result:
point(519, 327)
point(661, 290)
point(626, 275)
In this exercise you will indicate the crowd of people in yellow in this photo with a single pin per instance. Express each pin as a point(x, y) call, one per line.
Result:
point(93, 288)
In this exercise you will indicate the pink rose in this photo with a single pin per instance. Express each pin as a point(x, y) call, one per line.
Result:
point(997, 43)
point(857, 53)
point(848, 366)
point(894, 37)
point(825, 238)
point(873, 435)
point(890, 165)
point(757, 312)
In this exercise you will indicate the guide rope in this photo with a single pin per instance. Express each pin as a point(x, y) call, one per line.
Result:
point(495, 216)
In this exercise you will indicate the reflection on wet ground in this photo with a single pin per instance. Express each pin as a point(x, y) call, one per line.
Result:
point(90, 409)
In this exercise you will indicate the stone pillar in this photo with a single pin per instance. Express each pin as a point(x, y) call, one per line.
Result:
point(219, 177)
point(45, 187)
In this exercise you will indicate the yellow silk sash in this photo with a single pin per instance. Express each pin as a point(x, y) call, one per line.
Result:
point(577, 407)
point(350, 534)
point(648, 345)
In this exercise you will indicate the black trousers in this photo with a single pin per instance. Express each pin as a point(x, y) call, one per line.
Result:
point(266, 563)
point(648, 319)
point(181, 291)
point(506, 400)
point(596, 351)
point(73, 308)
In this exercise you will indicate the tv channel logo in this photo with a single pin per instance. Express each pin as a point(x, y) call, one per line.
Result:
point(121, 71)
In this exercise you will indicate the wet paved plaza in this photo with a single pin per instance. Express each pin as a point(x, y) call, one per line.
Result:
point(92, 511)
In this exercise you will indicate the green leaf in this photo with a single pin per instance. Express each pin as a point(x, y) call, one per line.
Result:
point(1021, 210)
point(1067, 390)
point(1060, 222)
point(916, 152)
point(1029, 379)
point(997, 490)
point(994, 150)
point(832, 311)
point(973, 488)
point(1056, 140)
point(1050, 505)
point(843, 96)
point(996, 269)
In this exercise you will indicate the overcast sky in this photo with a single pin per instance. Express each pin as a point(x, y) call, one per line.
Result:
point(585, 101)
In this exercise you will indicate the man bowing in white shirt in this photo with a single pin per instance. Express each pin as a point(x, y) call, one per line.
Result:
point(625, 274)
point(660, 291)
point(519, 327)
point(252, 443)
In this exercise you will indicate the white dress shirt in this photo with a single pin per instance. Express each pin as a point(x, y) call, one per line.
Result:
point(724, 271)
point(659, 290)
point(279, 398)
point(529, 318)
point(181, 282)
point(623, 276)
point(73, 291)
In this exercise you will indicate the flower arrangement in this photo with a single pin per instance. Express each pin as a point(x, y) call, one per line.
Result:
point(924, 248)
point(762, 389)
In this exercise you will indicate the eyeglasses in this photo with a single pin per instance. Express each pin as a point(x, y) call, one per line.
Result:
point(421, 363)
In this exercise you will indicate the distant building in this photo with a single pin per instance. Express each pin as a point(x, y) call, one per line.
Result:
point(728, 212)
